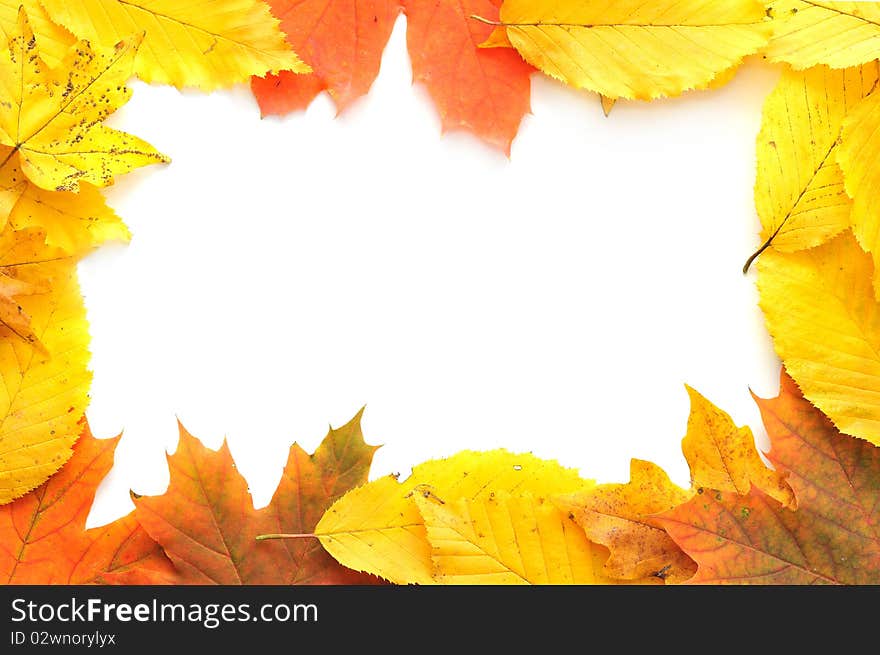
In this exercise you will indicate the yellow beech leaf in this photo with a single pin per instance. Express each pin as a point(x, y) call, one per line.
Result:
point(506, 539)
point(838, 34)
point(821, 313)
point(377, 527)
point(51, 118)
point(723, 457)
point(799, 192)
point(860, 159)
point(607, 104)
point(188, 43)
point(641, 49)
point(43, 396)
point(74, 222)
point(54, 40)
point(618, 516)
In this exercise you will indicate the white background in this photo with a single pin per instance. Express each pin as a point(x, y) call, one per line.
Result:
point(283, 273)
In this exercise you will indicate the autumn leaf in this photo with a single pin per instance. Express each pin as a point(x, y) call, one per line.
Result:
point(484, 91)
point(52, 118)
point(44, 391)
point(808, 33)
point(633, 48)
point(723, 457)
point(342, 42)
point(619, 516)
point(820, 311)
point(504, 538)
point(378, 527)
point(43, 535)
point(53, 40)
point(799, 188)
point(207, 44)
point(858, 157)
point(75, 223)
point(832, 537)
point(207, 524)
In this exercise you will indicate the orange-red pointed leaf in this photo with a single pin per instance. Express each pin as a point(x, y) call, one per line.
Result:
point(342, 41)
point(43, 539)
point(483, 90)
point(832, 537)
point(208, 526)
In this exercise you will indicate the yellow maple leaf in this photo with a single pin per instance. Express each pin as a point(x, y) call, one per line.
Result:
point(206, 44)
point(51, 117)
point(859, 158)
point(820, 310)
point(74, 222)
point(641, 49)
point(502, 538)
point(618, 516)
point(799, 187)
point(53, 40)
point(378, 528)
point(807, 33)
point(43, 394)
point(723, 457)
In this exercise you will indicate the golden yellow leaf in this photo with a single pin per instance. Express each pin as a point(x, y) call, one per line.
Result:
point(799, 192)
point(506, 539)
point(42, 396)
point(723, 457)
point(377, 527)
point(22, 251)
point(206, 43)
point(618, 516)
point(74, 222)
point(607, 104)
point(52, 117)
point(859, 158)
point(807, 33)
point(642, 49)
point(820, 310)
point(54, 40)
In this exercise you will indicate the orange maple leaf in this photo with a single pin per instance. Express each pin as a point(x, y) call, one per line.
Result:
point(207, 523)
point(832, 536)
point(485, 91)
point(43, 539)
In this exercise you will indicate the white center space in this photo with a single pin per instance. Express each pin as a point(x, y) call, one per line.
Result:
point(283, 273)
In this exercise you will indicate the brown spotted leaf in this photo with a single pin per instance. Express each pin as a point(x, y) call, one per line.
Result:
point(618, 516)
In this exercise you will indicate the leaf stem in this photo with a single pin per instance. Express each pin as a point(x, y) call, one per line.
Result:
point(758, 252)
point(486, 20)
point(261, 537)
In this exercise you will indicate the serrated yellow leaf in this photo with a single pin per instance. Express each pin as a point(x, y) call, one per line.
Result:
point(821, 313)
point(723, 457)
point(74, 222)
point(642, 49)
point(51, 119)
point(859, 158)
point(799, 192)
point(206, 44)
point(807, 33)
point(43, 396)
point(377, 527)
point(506, 539)
point(54, 41)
